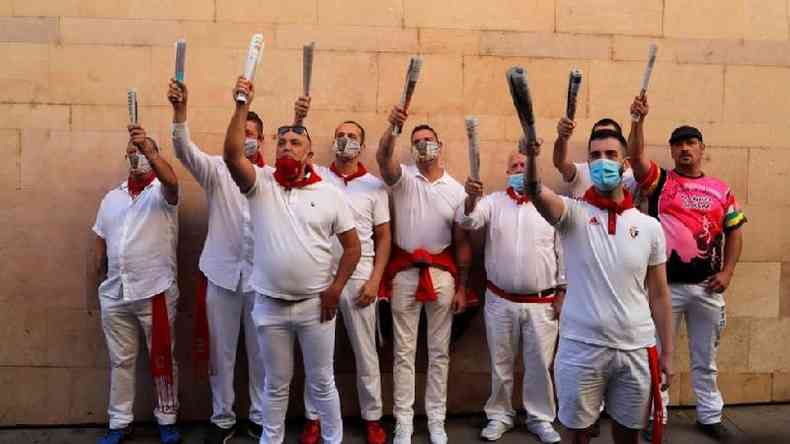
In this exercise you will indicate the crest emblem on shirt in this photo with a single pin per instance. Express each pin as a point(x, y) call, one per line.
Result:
point(633, 231)
point(594, 221)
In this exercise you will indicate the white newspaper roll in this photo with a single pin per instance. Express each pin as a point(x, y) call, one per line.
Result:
point(134, 116)
point(250, 66)
point(651, 61)
point(307, 67)
point(474, 147)
point(181, 59)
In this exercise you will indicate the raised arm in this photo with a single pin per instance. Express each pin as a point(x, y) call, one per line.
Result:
point(162, 169)
point(385, 155)
point(352, 251)
point(640, 162)
point(565, 129)
point(661, 310)
point(196, 161)
point(546, 201)
point(241, 169)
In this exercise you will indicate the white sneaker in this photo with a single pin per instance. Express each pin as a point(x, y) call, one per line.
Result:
point(403, 432)
point(545, 432)
point(494, 430)
point(437, 433)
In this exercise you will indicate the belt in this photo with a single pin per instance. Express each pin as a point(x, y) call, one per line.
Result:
point(542, 297)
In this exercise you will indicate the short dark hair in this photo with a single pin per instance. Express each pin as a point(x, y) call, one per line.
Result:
point(424, 126)
point(607, 134)
point(361, 130)
point(608, 122)
point(253, 117)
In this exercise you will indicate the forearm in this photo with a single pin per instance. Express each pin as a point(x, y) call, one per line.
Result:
point(548, 204)
point(733, 245)
point(640, 163)
point(241, 170)
point(348, 263)
point(164, 172)
point(661, 306)
point(560, 159)
point(390, 170)
point(463, 255)
point(100, 259)
point(383, 246)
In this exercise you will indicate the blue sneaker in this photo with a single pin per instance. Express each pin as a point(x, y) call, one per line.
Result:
point(168, 434)
point(116, 436)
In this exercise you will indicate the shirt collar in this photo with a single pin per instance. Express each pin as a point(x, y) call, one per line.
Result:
point(444, 179)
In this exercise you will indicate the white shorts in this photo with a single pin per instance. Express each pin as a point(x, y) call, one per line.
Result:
point(587, 375)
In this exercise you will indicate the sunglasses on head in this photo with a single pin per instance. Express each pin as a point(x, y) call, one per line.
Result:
point(298, 129)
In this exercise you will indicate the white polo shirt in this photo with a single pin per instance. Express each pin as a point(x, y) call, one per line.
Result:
point(582, 181)
point(607, 302)
point(523, 252)
point(294, 231)
point(424, 210)
point(142, 238)
point(369, 202)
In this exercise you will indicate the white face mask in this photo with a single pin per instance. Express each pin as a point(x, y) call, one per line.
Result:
point(346, 148)
point(138, 164)
point(250, 146)
point(424, 151)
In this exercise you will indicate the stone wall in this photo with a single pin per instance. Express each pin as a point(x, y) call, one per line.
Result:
point(723, 65)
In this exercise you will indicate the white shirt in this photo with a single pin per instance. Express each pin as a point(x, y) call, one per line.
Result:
point(582, 181)
point(424, 211)
point(369, 202)
point(294, 230)
point(141, 237)
point(522, 253)
point(607, 302)
point(226, 259)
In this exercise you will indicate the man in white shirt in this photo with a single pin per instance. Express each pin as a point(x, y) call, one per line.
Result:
point(225, 298)
point(136, 238)
point(295, 218)
point(369, 202)
point(429, 267)
point(525, 287)
point(617, 298)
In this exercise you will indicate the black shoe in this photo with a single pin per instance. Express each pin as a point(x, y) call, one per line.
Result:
point(218, 435)
point(254, 430)
point(716, 431)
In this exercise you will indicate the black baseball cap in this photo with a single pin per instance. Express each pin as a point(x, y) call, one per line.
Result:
point(684, 132)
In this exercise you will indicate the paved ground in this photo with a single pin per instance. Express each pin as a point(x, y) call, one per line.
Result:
point(750, 425)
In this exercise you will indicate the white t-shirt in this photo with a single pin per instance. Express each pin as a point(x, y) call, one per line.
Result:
point(582, 181)
point(424, 211)
point(607, 302)
point(142, 238)
point(523, 252)
point(369, 202)
point(294, 231)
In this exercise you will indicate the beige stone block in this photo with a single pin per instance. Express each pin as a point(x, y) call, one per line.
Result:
point(439, 90)
point(531, 15)
point(486, 91)
point(361, 12)
point(25, 333)
point(10, 169)
point(24, 77)
point(769, 171)
point(346, 81)
point(754, 291)
point(784, 291)
point(756, 94)
point(34, 116)
point(705, 51)
point(745, 388)
point(143, 9)
point(761, 242)
point(544, 45)
point(77, 339)
point(29, 30)
point(33, 395)
point(490, 128)
point(728, 19)
point(267, 11)
point(734, 346)
point(88, 395)
point(781, 387)
point(115, 118)
point(729, 165)
point(6, 7)
point(452, 41)
point(348, 38)
point(685, 92)
point(767, 353)
point(610, 17)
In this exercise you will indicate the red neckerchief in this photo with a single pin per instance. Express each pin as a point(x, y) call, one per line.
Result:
point(606, 203)
point(309, 178)
point(258, 159)
point(136, 186)
point(361, 171)
point(518, 198)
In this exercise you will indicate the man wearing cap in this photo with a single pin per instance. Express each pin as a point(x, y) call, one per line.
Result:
point(295, 217)
point(369, 204)
point(617, 298)
point(429, 268)
point(526, 280)
point(702, 222)
point(136, 239)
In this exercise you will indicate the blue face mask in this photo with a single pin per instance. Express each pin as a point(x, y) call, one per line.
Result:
point(516, 181)
point(606, 174)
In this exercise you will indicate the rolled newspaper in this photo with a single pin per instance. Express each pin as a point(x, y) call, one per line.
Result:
point(474, 147)
point(574, 83)
point(412, 75)
point(181, 59)
point(651, 61)
point(253, 58)
point(307, 73)
point(519, 91)
point(134, 116)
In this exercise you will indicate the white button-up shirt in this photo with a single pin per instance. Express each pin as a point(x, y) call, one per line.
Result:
point(424, 210)
point(227, 254)
point(522, 253)
point(369, 202)
point(142, 237)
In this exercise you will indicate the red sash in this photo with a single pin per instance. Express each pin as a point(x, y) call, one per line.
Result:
point(161, 355)
point(606, 203)
point(200, 339)
point(655, 394)
point(401, 260)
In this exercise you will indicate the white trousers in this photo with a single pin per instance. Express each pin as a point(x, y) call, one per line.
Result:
point(405, 324)
point(279, 324)
point(360, 323)
point(705, 319)
point(121, 324)
point(510, 325)
point(227, 310)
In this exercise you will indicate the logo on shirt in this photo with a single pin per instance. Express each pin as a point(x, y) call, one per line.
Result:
point(312, 204)
point(594, 221)
point(633, 232)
